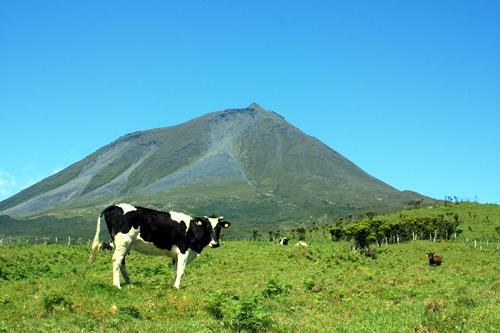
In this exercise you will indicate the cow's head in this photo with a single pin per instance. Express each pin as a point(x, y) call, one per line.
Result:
point(217, 224)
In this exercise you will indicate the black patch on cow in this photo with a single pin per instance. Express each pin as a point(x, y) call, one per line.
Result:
point(199, 234)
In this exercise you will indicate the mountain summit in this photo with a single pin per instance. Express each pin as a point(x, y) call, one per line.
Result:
point(247, 164)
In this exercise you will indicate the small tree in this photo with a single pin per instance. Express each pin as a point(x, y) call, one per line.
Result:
point(271, 235)
point(370, 215)
point(255, 234)
point(302, 233)
point(337, 233)
point(362, 235)
point(277, 234)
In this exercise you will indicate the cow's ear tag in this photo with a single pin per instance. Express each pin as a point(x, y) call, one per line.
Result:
point(198, 223)
point(226, 225)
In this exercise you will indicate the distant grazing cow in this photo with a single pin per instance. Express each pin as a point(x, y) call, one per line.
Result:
point(434, 259)
point(156, 233)
point(284, 241)
point(301, 243)
point(106, 246)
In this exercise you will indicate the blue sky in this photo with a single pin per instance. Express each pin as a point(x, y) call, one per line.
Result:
point(407, 90)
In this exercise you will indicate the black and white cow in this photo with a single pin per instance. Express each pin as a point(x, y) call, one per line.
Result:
point(152, 232)
point(284, 241)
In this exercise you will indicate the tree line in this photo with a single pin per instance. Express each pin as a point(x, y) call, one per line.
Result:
point(375, 231)
point(371, 231)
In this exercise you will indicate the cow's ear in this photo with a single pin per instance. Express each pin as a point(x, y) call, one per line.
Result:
point(226, 224)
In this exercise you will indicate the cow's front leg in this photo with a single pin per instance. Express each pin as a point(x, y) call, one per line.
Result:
point(175, 269)
point(181, 263)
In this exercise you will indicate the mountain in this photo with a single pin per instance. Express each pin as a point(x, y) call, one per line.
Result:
point(249, 165)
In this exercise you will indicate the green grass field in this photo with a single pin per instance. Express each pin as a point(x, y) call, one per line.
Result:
point(254, 286)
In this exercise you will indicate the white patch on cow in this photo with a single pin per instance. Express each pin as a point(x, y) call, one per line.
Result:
point(126, 208)
point(178, 217)
point(213, 221)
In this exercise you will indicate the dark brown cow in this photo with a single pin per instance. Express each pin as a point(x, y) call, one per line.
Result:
point(434, 259)
point(106, 246)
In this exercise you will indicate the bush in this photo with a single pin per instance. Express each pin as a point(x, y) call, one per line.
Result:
point(51, 302)
point(274, 288)
point(216, 302)
point(250, 317)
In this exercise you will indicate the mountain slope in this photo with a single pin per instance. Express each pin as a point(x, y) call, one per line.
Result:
point(247, 163)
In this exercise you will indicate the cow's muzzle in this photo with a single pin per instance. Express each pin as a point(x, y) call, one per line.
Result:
point(214, 244)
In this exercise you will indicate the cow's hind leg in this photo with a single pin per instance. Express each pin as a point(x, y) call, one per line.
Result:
point(124, 273)
point(122, 243)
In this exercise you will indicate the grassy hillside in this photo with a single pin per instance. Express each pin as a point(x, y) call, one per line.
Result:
point(254, 286)
point(477, 221)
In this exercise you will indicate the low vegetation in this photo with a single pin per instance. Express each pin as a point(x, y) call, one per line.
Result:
point(250, 286)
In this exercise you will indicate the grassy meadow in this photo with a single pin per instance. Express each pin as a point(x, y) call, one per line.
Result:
point(250, 286)
point(254, 286)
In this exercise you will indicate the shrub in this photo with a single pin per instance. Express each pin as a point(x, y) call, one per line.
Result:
point(131, 311)
point(309, 284)
point(250, 317)
point(50, 302)
point(274, 288)
point(216, 302)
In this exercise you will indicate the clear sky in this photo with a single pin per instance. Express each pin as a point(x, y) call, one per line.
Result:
point(407, 90)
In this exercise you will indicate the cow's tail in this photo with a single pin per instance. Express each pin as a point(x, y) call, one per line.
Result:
point(95, 243)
